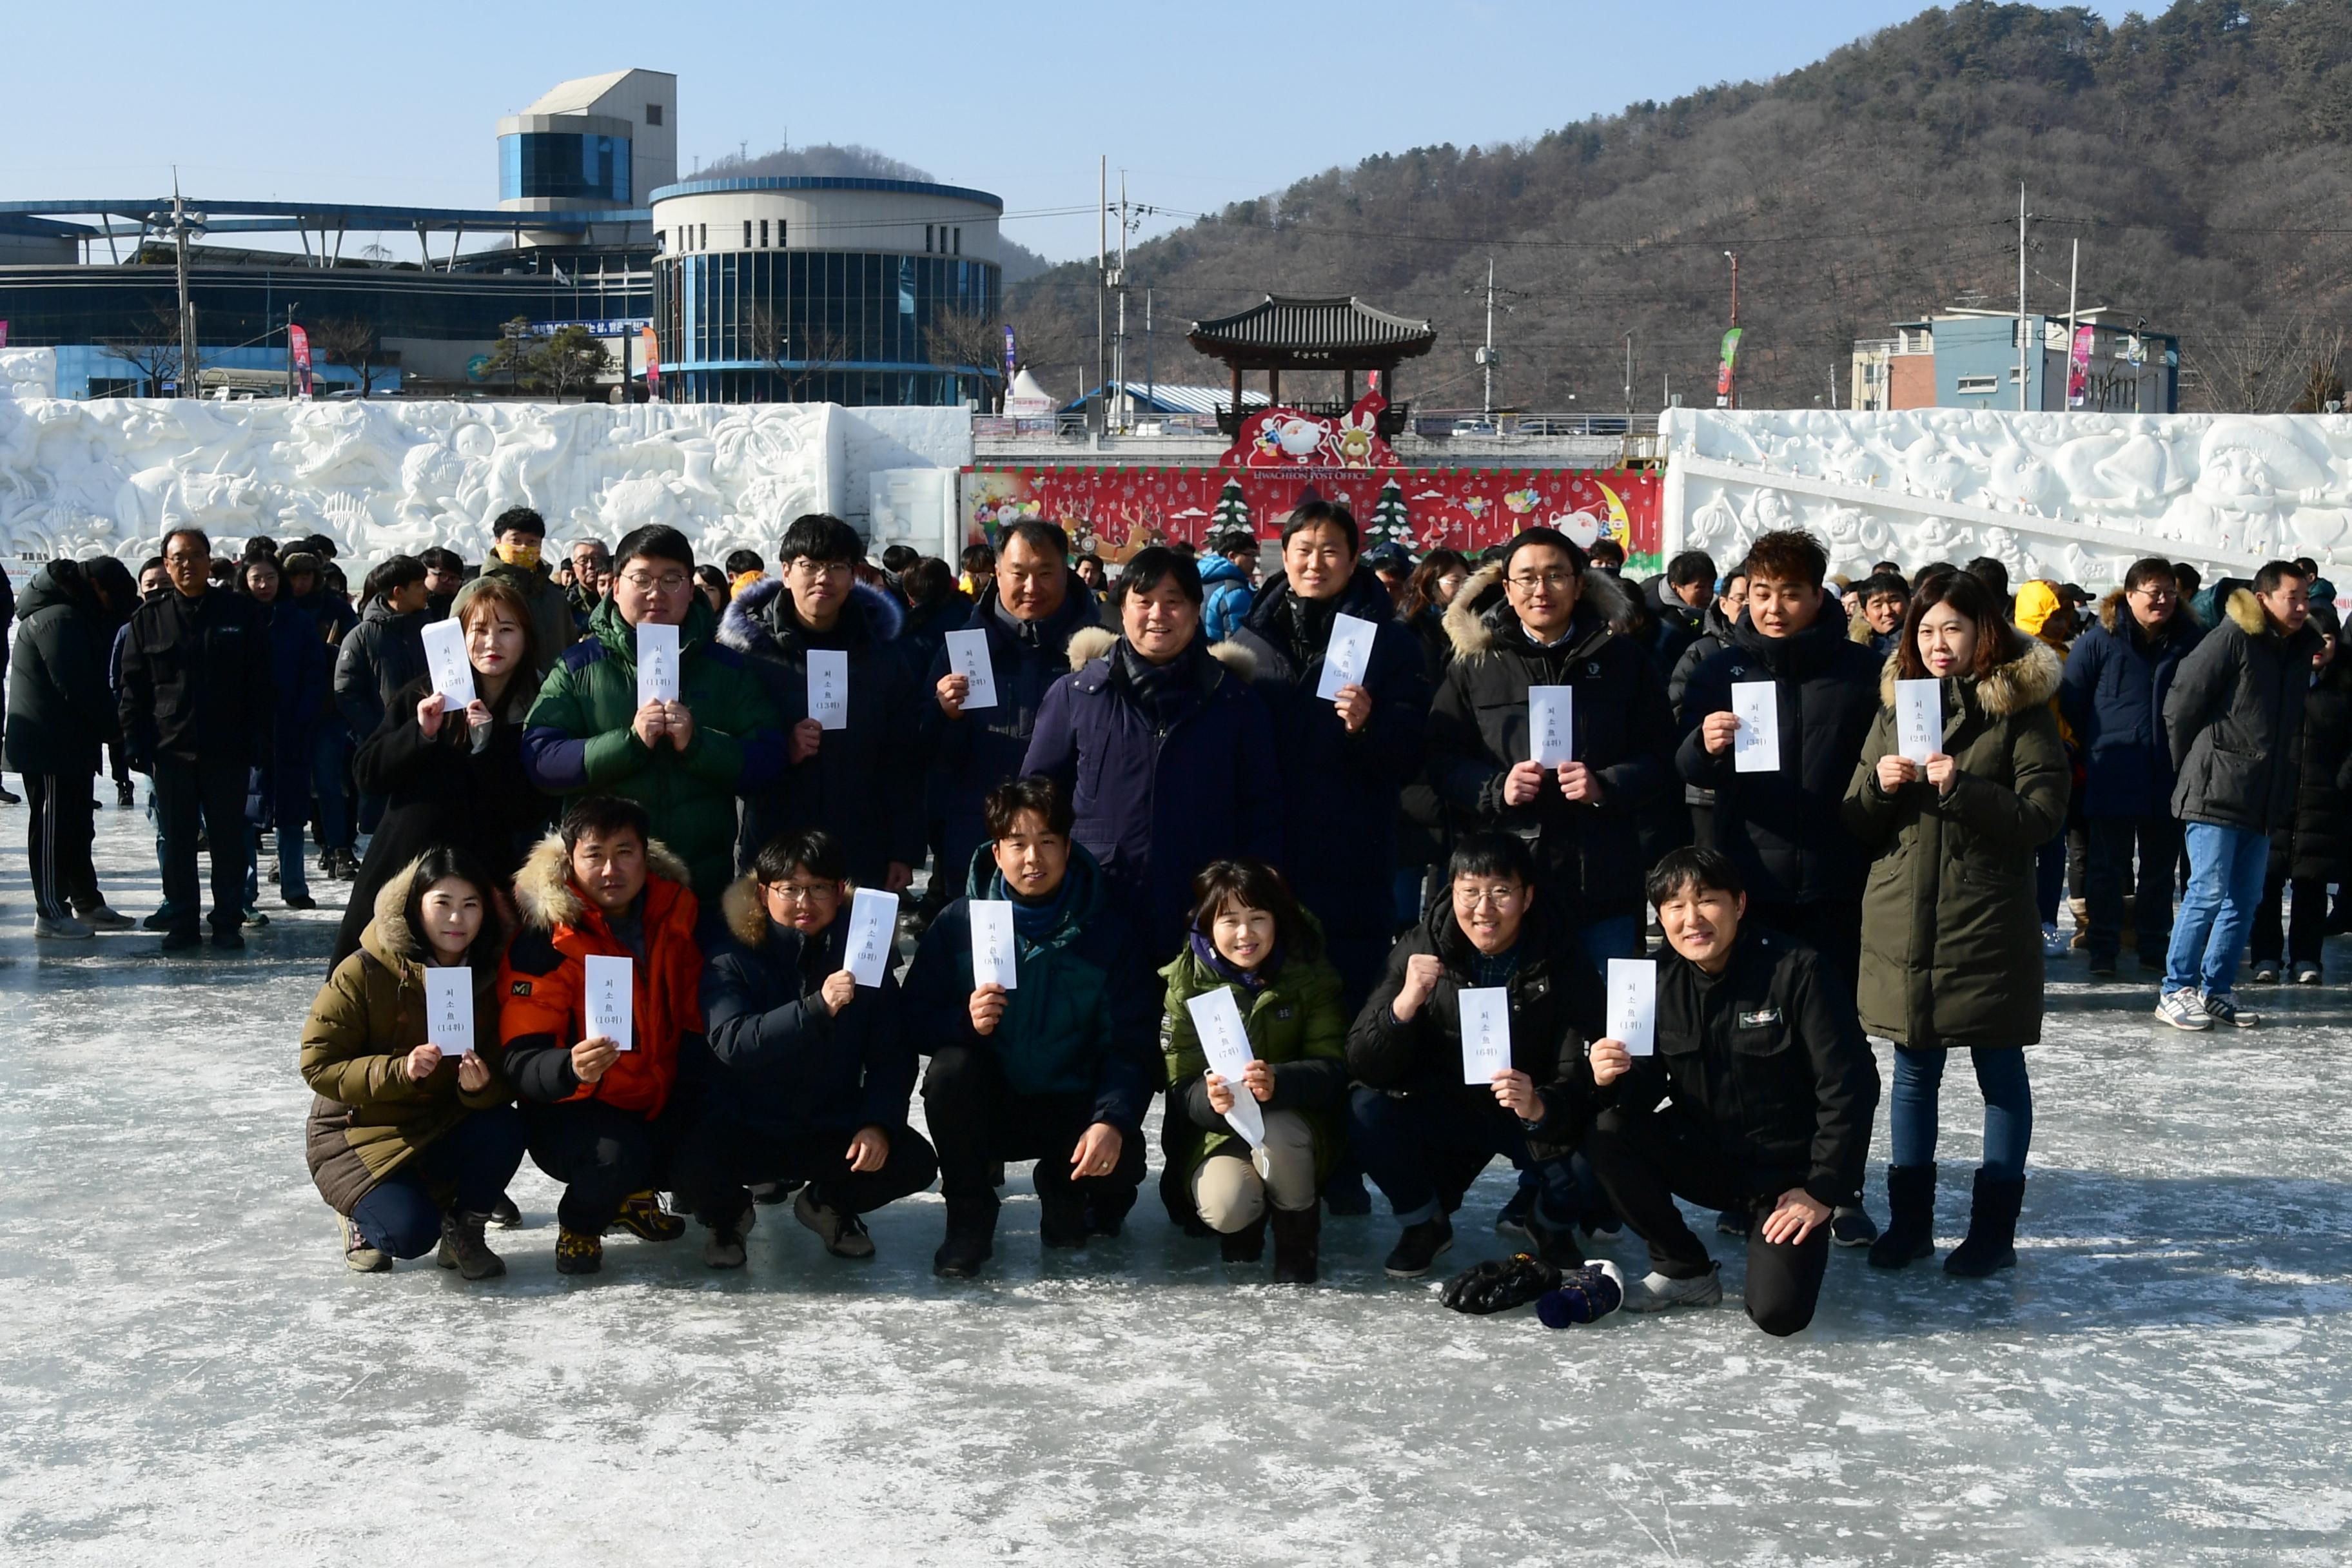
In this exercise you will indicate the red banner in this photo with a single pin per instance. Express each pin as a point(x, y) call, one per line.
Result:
point(652, 358)
point(298, 345)
point(1114, 512)
point(1286, 438)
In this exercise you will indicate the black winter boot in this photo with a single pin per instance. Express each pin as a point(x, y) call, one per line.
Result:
point(1247, 1245)
point(1991, 1242)
point(1298, 1244)
point(972, 1236)
point(1910, 1230)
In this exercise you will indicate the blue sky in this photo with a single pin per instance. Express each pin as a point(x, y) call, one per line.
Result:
point(396, 103)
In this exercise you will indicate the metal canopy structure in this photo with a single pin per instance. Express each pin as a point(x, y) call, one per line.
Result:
point(330, 221)
point(1289, 332)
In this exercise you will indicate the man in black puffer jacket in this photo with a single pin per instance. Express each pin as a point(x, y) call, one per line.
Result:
point(799, 1074)
point(60, 717)
point(1803, 871)
point(1423, 1132)
point(1537, 617)
point(1344, 762)
point(1769, 1088)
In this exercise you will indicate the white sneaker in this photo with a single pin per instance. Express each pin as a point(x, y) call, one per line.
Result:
point(2184, 1009)
point(65, 928)
point(2222, 1010)
point(1655, 1292)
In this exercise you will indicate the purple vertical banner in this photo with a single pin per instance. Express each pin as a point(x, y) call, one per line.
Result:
point(2078, 368)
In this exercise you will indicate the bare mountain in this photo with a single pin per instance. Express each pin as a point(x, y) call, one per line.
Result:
point(2199, 156)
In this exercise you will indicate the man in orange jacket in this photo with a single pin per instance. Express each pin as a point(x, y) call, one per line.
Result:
point(592, 1108)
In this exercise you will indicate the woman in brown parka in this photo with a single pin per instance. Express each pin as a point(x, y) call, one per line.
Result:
point(1951, 945)
point(410, 1143)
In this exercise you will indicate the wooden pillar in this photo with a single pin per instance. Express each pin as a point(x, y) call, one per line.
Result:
point(1273, 383)
point(1349, 394)
point(1237, 394)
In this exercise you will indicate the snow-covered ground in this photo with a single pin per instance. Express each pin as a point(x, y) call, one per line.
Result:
point(189, 1375)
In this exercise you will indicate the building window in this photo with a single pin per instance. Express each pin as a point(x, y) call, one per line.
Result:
point(926, 239)
point(661, 240)
point(779, 234)
point(653, 113)
point(959, 242)
point(564, 167)
point(706, 237)
point(763, 234)
point(1974, 385)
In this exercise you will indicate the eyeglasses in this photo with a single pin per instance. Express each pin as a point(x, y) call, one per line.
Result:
point(1528, 583)
point(2155, 596)
point(668, 582)
point(805, 892)
point(1490, 899)
point(805, 567)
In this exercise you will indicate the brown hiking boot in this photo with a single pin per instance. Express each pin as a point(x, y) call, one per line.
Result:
point(463, 1249)
point(643, 1216)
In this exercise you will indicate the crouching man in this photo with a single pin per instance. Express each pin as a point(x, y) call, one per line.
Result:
point(1767, 1087)
point(1057, 1069)
point(802, 1076)
point(592, 1105)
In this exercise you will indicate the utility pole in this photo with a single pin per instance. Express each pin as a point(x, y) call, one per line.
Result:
point(1150, 382)
point(1730, 387)
point(1119, 282)
point(2073, 276)
point(1487, 354)
point(1102, 281)
point(2020, 296)
point(1629, 373)
point(187, 306)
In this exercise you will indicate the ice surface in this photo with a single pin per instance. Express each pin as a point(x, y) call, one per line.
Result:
point(189, 1375)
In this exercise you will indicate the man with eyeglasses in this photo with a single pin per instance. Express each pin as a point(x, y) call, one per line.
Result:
point(684, 762)
point(1539, 618)
point(592, 573)
point(516, 538)
point(2112, 696)
point(864, 782)
point(1423, 1133)
point(1036, 605)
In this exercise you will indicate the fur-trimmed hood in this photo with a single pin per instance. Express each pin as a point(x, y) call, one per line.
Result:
point(753, 617)
point(1091, 642)
point(387, 936)
point(2113, 613)
point(1474, 618)
point(544, 896)
point(2027, 676)
point(2245, 611)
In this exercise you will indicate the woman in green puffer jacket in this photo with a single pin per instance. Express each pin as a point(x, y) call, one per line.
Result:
point(1248, 935)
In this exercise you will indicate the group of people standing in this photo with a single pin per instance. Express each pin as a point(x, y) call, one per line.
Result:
point(1429, 859)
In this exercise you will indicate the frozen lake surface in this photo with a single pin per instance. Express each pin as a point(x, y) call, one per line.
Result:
point(189, 1375)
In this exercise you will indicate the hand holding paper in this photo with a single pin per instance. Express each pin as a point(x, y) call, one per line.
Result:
point(1346, 656)
point(1756, 744)
point(611, 997)
point(1634, 1004)
point(656, 663)
point(1551, 724)
point(452, 671)
point(873, 936)
point(992, 951)
point(828, 687)
point(967, 657)
point(1486, 1033)
point(1225, 1040)
point(449, 1009)
point(1919, 717)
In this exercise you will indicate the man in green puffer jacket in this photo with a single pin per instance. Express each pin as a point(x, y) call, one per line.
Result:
point(684, 762)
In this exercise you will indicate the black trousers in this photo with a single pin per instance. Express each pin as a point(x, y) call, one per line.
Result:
point(2294, 936)
point(721, 1155)
point(1646, 1160)
point(2106, 870)
point(600, 1154)
point(185, 789)
point(59, 829)
point(979, 1121)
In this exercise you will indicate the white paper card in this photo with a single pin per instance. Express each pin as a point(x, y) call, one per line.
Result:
point(449, 1009)
point(1346, 656)
point(1551, 724)
point(1919, 717)
point(1225, 1040)
point(991, 943)
point(873, 931)
point(611, 989)
point(1634, 1004)
point(1486, 1033)
point(656, 663)
point(967, 657)
point(828, 692)
point(1756, 744)
point(445, 657)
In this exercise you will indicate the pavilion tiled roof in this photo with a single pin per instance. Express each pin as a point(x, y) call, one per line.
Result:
point(1283, 330)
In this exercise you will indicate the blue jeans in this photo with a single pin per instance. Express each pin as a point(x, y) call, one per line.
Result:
point(479, 1156)
point(1423, 1149)
point(2226, 866)
point(2008, 1108)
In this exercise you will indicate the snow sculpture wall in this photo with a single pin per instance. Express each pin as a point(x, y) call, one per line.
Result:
point(2075, 497)
point(108, 475)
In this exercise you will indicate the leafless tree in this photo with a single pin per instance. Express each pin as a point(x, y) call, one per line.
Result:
point(2267, 364)
point(348, 340)
point(800, 361)
point(974, 338)
point(151, 346)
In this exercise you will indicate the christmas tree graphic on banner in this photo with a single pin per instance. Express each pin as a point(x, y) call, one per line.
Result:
point(1231, 510)
point(1389, 521)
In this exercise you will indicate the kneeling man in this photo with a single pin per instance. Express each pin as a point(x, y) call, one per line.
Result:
point(1758, 1100)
